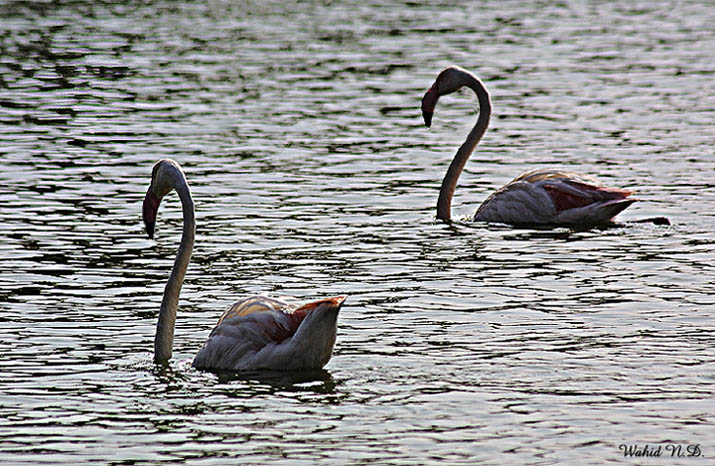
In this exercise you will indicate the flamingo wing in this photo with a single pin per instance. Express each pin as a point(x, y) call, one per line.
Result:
point(569, 194)
point(247, 334)
point(252, 305)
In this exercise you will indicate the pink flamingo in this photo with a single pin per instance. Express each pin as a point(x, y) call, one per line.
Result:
point(256, 332)
point(538, 197)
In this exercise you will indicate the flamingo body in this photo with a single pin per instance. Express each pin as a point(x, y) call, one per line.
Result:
point(266, 333)
point(541, 197)
point(255, 333)
point(546, 196)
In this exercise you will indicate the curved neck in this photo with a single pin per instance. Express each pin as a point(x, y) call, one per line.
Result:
point(167, 314)
point(449, 183)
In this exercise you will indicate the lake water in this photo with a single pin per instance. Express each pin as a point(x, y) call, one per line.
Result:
point(299, 128)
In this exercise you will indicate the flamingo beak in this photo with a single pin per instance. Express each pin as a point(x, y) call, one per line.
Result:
point(429, 102)
point(149, 210)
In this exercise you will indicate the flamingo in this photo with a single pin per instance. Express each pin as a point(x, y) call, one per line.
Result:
point(538, 197)
point(254, 333)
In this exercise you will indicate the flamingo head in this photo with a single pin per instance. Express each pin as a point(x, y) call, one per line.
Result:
point(449, 80)
point(164, 176)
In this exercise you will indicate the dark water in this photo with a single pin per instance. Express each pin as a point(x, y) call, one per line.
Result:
point(299, 129)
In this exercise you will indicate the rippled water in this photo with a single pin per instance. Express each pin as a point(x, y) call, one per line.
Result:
point(299, 129)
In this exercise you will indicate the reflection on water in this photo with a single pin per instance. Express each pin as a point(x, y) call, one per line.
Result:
point(299, 129)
